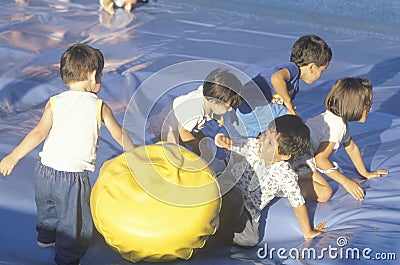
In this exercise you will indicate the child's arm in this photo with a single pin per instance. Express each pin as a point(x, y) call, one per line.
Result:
point(31, 140)
point(119, 134)
point(354, 153)
point(240, 145)
point(278, 81)
point(291, 189)
point(188, 138)
point(198, 147)
point(304, 222)
point(322, 162)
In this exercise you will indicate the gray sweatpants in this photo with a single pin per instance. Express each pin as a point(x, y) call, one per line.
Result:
point(236, 223)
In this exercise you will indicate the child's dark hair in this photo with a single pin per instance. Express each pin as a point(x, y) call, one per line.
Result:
point(311, 49)
point(222, 85)
point(79, 60)
point(349, 98)
point(293, 135)
point(100, 66)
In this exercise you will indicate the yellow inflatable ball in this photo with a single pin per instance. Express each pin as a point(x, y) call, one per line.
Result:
point(156, 203)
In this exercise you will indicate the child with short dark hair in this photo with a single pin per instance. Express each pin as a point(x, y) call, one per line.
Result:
point(262, 171)
point(310, 56)
point(182, 121)
point(70, 126)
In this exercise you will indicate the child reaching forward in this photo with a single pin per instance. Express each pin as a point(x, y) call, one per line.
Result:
point(70, 126)
point(188, 114)
point(350, 99)
point(263, 172)
point(310, 56)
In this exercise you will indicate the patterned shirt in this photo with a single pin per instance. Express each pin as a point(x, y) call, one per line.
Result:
point(259, 183)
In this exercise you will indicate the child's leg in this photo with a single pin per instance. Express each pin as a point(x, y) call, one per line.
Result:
point(236, 223)
point(314, 187)
point(231, 209)
point(75, 226)
point(46, 211)
point(129, 4)
point(247, 234)
point(251, 94)
point(108, 6)
point(257, 121)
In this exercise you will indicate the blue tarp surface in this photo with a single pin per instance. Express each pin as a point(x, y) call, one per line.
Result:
point(247, 35)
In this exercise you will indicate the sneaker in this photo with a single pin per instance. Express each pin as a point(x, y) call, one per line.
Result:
point(46, 245)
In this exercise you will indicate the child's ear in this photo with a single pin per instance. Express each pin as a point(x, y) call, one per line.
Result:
point(286, 157)
point(92, 76)
point(312, 66)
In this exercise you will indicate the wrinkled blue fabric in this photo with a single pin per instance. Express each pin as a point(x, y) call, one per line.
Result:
point(248, 35)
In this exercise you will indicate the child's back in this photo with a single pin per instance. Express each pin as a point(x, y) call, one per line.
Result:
point(349, 100)
point(72, 141)
point(70, 126)
point(310, 56)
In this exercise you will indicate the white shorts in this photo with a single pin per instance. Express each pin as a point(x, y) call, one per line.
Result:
point(304, 164)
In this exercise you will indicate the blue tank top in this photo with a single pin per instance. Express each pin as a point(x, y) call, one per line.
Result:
point(262, 84)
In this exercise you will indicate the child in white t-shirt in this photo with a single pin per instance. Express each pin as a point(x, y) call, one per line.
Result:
point(182, 121)
point(350, 99)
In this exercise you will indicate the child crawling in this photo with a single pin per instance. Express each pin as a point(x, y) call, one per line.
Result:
point(262, 169)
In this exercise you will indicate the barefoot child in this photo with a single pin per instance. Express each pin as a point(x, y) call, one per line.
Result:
point(350, 99)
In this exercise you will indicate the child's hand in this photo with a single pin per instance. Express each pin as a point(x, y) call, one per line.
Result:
point(376, 173)
point(354, 189)
point(7, 165)
point(291, 108)
point(223, 141)
point(319, 229)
